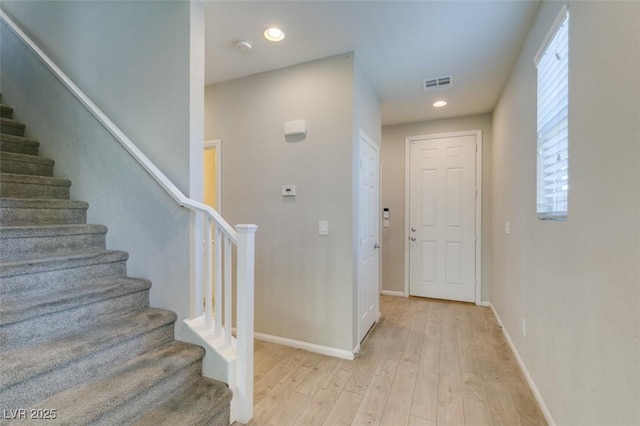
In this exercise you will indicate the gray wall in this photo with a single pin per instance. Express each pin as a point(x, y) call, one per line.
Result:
point(393, 188)
point(575, 283)
point(132, 59)
point(304, 282)
point(366, 107)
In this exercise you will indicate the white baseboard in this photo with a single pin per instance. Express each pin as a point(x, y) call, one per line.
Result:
point(392, 293)
point(488, 305)
point(523, 367)
point(299, 344)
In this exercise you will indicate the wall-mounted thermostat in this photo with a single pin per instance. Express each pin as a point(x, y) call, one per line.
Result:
point(288, 190)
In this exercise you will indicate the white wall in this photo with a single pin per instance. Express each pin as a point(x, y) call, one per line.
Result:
point(133, 60)
point(304, 282)
point(393, 172)
point(576, 283)
point(367, 105)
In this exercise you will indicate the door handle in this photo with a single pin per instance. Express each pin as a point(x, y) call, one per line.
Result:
point(413, 238)
point(376, 246)
point(413, 229)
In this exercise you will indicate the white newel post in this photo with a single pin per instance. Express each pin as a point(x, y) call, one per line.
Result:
point(244, 324)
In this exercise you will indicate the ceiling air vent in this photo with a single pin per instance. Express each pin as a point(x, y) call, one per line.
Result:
point(437, 83)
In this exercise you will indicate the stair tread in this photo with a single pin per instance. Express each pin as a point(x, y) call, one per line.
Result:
point(34, 180)
point(41, 203)
point(26, 158)
point(50, 239)
point(12, 123)
point(26, 305)
point(40, 211)
point(42, 263)
point(121, 384)
point(33, 231)
point(194, 404)
point(24, 363)
point(5, 137)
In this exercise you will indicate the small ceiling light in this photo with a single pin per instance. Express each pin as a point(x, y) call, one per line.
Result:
point(439, 104)
point(274, 34)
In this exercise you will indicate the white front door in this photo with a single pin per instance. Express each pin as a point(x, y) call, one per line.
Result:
point(368, 236)
point(442, 217)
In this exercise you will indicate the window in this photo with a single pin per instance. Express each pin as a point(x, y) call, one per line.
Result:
point(552, 62)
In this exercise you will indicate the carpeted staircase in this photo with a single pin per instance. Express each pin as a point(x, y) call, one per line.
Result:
point(78, 341)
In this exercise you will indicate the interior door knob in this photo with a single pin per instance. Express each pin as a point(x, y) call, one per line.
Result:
point(413, 238)
point(376, 246)
point(413, 229)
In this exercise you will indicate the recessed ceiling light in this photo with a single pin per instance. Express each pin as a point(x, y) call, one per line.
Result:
point(439, 104)
point(274, 34)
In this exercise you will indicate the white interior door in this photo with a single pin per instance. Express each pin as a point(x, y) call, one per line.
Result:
point(368, 236)
point(442, 217)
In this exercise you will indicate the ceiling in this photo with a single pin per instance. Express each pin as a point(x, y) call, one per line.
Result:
point(398, 44)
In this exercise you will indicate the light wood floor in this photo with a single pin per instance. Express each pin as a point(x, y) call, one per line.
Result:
point(427, 362)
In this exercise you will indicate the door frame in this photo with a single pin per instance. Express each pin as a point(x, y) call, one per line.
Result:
point(364, 138)
point(217, 144)
point(407, 191)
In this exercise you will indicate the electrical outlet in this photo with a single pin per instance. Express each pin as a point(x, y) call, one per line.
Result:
point(524, 328)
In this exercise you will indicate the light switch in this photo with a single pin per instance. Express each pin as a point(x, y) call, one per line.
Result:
point(507, 228)
point(323, 227)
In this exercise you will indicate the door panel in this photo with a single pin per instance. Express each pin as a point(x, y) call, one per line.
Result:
point(368, 238)
point(442, 197)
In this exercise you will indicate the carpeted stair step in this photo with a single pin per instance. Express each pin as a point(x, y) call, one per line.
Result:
point(28, 318)
point(28, 376)
point(12, 127)
point(6, 111)
point(25, 212)
point(127, 390)
point(18, 144)
point(25, 164)
point(16, 242)
point(40, 187)
point(49, 273)
point(203, 403)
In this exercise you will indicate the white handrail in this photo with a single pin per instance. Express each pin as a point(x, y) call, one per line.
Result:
point(242, 237)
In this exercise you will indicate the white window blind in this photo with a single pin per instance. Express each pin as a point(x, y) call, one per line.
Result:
point(552, 62)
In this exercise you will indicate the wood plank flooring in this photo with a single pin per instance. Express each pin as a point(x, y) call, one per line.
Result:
point(427, 362)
